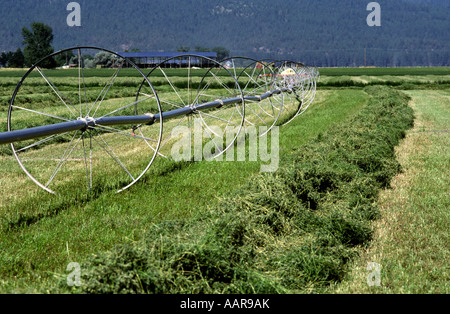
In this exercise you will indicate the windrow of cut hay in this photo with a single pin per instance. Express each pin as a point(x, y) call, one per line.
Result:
point(288, 232)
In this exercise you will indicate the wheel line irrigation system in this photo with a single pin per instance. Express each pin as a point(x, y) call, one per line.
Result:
point(90, 126)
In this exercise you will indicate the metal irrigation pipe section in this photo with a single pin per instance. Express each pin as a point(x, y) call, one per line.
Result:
point(148, 119)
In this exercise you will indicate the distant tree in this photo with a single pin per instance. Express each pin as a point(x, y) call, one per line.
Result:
point(12, 59)
point(183, 49)
point(64, 58)
point(4, 59)
point(103, 59)
point(202, 49)
point(222, 52)
point(133, 50)
point(87, 61)
point(38, 44)
point(17, 59)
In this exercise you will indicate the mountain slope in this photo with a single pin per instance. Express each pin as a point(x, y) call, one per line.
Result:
point(322, 32)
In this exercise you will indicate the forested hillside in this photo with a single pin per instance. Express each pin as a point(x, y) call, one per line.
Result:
point(321, 32)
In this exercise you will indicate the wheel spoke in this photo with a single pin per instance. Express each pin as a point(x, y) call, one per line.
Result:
point(107, 87)
point(206, 87)
point(111, 153)
point(189, 82)
point(251, 78)
point(177, 125)
point(120, 132)
point(222, 83)
point(214, 117)
point(88, 169)
point(57, 92)
point(45, 140)
point(173, 86)
point(64, 158)
point(41, 113)
point(81, 78)
point(122, 108)
point(209, 135)
point(259, 117)
point(170, 103)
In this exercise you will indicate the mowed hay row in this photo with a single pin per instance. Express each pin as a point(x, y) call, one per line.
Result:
point(291, 231)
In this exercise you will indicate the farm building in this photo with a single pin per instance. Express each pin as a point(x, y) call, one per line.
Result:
point(151, 59)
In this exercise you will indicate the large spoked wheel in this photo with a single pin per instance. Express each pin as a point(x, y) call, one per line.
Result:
point(96, 84)
point(256, 78)
point(198, 123)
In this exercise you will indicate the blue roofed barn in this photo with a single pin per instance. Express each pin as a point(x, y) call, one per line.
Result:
point(151, 59)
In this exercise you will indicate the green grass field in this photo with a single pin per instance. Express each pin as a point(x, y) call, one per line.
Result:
point(40, 234)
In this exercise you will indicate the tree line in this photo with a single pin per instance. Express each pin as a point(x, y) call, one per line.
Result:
point(38, 45)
